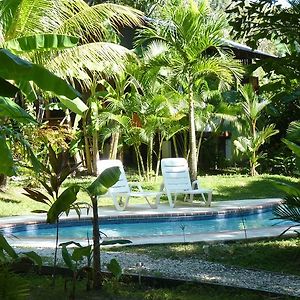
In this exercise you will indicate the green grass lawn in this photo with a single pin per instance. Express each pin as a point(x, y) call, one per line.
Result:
point(230, 187)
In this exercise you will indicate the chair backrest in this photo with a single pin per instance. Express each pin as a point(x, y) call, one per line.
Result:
point(175, 172)
point(121, 186)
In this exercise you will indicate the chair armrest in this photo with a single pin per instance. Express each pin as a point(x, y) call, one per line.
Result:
point(196, 185)
point(135, 184)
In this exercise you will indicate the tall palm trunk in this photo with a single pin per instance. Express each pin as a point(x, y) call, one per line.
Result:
point(159, 155)
point(88, 160)
point(175, 146)
point(95, 152)
point(192, 135)
point(114, 145)
point(149, 157)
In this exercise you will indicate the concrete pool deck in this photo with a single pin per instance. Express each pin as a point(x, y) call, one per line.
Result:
point(219, 208)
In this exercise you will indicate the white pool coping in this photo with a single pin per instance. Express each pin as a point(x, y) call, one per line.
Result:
point(140, 211)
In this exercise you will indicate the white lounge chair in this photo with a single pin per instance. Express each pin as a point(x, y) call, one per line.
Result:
point(176, 180)
point(122, 188)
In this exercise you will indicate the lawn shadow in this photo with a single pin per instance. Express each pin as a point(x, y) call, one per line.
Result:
point(9, 200)
point(255, 188)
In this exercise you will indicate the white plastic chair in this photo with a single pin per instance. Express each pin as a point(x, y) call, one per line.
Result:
point(122, 188)
point(176, 180)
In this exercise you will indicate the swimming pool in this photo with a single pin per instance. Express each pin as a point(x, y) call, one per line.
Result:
point(159, 226)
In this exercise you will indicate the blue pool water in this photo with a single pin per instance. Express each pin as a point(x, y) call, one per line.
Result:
point(147, 227)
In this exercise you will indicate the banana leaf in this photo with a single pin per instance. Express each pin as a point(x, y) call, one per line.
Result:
point(41, 42)
point(63, 203)
point(104, 181)
point(10, 109)
point(18, 69)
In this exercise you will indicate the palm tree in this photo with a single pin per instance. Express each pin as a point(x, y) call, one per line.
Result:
point(191, 47)
point(253, 138)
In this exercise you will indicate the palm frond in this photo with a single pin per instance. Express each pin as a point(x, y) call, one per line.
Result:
point(293, 132)
point(290, 209)
point(94, 22)
point(30, 17)
point(79, 62)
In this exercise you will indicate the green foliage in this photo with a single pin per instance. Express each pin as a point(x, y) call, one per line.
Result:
point(8, 254)
point(253, 138)
point(18, 69)
point(4, 246)
point(290, 208)
point(10, 109)
point(104, 181)
point(41, 42)
point(62, 204)
point(12, 286)
point(114, 267)
point(188, 49)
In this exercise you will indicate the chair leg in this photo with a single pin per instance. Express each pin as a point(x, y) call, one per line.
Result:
point(116, 202)
point(172, 205)
point(209, 198)
point(157, 199)
point(150, 204)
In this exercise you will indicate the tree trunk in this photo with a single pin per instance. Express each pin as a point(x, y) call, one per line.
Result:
point(175, 146)
point(199, 144)
point(3, 181)
point(159, 155)
point(95, 152)
point(88, 160)
point(149, 158)
point(114, 145)
point(192, 136)
point(141, 160)
point(97, 276)
point(137, 160)
point(185, 144)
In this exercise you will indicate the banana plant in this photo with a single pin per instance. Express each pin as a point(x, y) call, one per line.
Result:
point(73, 259)
point(99, 187)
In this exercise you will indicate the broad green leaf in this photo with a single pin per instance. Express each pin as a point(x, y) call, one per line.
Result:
point(6, 159)
point(7, 248)
point(104, 181)
point(76, 105)
point(114, 242)
point(34, 257)
point(41, 42)
point(81, 252)
point(7, 89)
point(10, 109)
point(63, 203)
point(70, 243)
point(114, 267)
point(15, 68)
point(67, 258)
